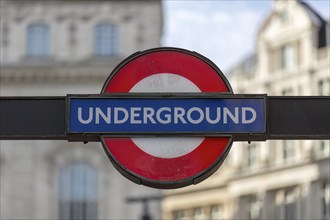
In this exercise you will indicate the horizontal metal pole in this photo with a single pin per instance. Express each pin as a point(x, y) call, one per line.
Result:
point(32, 118)
point(300, 117)
point(44, 118)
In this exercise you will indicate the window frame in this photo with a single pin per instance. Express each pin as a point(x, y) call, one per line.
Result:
point(253, 154)
point(325, 200)
point(253, 207)
point(198, 213)
point(38, 40)
point(323, 87)
point(78, 191)
point(179, 214)
point(290, 201)
point(289, 151)
point(216, 212)
point(106, 39)
point(288, 57)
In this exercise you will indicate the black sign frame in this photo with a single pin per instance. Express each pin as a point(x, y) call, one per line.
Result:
point(288, 118)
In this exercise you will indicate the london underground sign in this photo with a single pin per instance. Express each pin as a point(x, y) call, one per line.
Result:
point(166, 162)
point(111, 115)
point(166, 117)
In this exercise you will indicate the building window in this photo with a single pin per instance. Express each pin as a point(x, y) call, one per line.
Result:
point(288, 58)
point(179, 215)
point(198, 214)
point(324, 87)
point(325, 200)
point(215, 212)
point(78, 191)
point(290, 206)
point(38, 40)
point(4, 35)
point(252, 155)
point(72, 34)
point(287, 91)
point(253, 207)
point(288, 151)
point(105, 40)
point(284, 58)
point(323, 148)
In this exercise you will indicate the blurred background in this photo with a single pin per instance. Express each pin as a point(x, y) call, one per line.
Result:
point(59, 47)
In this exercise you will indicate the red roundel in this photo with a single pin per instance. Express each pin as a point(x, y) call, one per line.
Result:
point(164, 162)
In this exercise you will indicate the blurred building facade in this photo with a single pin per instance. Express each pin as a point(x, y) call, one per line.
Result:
point(54, 48)
point(273, 179)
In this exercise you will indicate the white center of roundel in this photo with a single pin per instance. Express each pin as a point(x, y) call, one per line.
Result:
point(166, 147)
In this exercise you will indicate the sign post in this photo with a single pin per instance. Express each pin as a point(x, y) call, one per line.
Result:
point(166, 117)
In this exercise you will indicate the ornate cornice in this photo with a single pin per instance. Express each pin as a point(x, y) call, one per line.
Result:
point(89, 70)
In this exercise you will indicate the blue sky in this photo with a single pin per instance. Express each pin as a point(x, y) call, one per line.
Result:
point(223, 31)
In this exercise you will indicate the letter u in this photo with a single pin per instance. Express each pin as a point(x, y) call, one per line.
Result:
point(90, 116)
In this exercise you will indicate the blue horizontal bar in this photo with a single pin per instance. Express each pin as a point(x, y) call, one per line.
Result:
point(167, 115)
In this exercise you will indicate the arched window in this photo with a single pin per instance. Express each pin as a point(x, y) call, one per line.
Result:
point(105, 40)
point(38, 40)
point(78, 191)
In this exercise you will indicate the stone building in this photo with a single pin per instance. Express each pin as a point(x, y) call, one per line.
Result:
point(272, 179)
point(54, 48)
